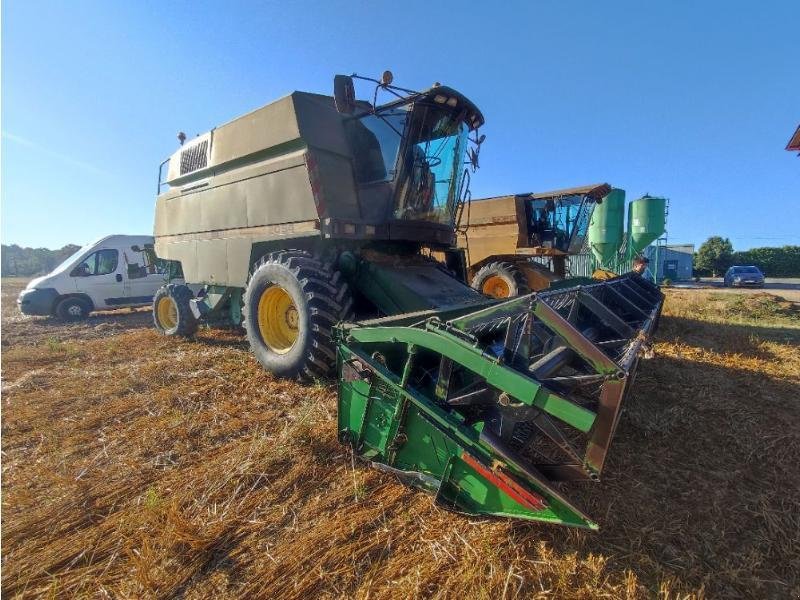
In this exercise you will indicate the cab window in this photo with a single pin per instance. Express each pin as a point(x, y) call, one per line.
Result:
point(102, 262)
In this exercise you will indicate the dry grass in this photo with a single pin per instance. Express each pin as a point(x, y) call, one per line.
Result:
point(140, 467)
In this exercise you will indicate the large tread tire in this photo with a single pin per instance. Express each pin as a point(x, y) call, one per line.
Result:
point(181, 322)
point(320, 298)
point(500, 280)
point(73, 309)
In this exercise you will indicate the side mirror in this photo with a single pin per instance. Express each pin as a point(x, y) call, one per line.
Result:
point(344, 94)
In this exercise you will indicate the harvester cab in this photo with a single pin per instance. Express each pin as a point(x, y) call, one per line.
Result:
point(557, 225)
point(409, 158)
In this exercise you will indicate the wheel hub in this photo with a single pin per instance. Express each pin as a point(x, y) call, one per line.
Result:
point(167, 312)
point(278, 319)
point(496, 287)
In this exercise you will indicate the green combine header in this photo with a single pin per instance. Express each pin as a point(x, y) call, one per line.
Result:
point(491, 409)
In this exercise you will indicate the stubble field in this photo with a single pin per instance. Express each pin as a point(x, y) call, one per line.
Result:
point(135, 466)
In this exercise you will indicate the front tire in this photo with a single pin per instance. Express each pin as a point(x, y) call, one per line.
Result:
point(291, 303)
point(172, 315)
point(73, 309)
point(500, 280)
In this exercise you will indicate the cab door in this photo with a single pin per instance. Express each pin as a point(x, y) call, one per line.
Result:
point(99, 277)
point(142, 277)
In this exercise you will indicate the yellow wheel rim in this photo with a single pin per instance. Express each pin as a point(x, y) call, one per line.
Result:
point(278, 319)
point(167, 312)
point(496, 287)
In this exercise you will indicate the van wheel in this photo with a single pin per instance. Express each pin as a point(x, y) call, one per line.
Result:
point(291, 303)
point(171, 312)
point(73, 309)
point(500, 280)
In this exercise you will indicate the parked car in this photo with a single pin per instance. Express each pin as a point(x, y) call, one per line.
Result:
point(113, 272)
point(744, 275)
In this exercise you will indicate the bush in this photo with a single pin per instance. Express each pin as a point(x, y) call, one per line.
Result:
point(774, 262)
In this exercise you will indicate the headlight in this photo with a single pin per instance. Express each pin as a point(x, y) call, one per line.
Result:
point(737, 278)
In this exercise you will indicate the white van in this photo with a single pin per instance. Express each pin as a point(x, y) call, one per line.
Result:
point(113, 272)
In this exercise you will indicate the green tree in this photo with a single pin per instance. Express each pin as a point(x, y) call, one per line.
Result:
point(775, 262)
point(24, 262)
point(715, 256)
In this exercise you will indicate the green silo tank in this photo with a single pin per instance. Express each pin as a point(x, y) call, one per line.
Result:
point(646, 219)
point(606, 229)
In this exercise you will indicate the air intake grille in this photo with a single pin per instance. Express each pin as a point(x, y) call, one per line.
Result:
point(195, 157)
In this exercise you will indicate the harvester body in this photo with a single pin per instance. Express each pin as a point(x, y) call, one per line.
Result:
point(298, 172)
point(314, 209)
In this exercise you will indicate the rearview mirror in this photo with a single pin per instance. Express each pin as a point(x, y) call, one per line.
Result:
point(344, 94)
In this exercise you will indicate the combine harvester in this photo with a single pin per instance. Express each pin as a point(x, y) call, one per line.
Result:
point(503, 235)
point(313, 222)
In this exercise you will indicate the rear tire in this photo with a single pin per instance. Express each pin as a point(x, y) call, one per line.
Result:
point(291, 303)
point(73, 309)
point(500, 280)
point(172, 315)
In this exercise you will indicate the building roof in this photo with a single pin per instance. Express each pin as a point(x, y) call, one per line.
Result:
point(794, 142)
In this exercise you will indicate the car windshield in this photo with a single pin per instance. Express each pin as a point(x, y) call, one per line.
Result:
point(746, 270)
point(418, 149)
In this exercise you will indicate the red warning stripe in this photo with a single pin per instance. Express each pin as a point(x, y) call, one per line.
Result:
point(525, 497)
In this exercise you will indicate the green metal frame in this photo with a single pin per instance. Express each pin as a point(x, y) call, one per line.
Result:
point(418, 433)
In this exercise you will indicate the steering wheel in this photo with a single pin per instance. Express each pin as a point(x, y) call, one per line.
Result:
point(427, 161)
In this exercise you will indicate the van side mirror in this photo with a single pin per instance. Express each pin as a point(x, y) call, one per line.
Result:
point(344, 94)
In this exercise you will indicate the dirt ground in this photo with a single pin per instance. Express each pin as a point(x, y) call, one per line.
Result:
point(135, 466)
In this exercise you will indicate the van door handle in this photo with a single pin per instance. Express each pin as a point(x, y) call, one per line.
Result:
point(119, 277)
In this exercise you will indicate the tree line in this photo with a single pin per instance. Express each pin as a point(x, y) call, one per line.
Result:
point(27, 262)
point(716, 254)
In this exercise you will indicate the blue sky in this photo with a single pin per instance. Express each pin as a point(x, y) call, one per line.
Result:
point(694, 101)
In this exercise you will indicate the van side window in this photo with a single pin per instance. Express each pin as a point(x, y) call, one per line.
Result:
point(102, 262)
point(141, 262)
